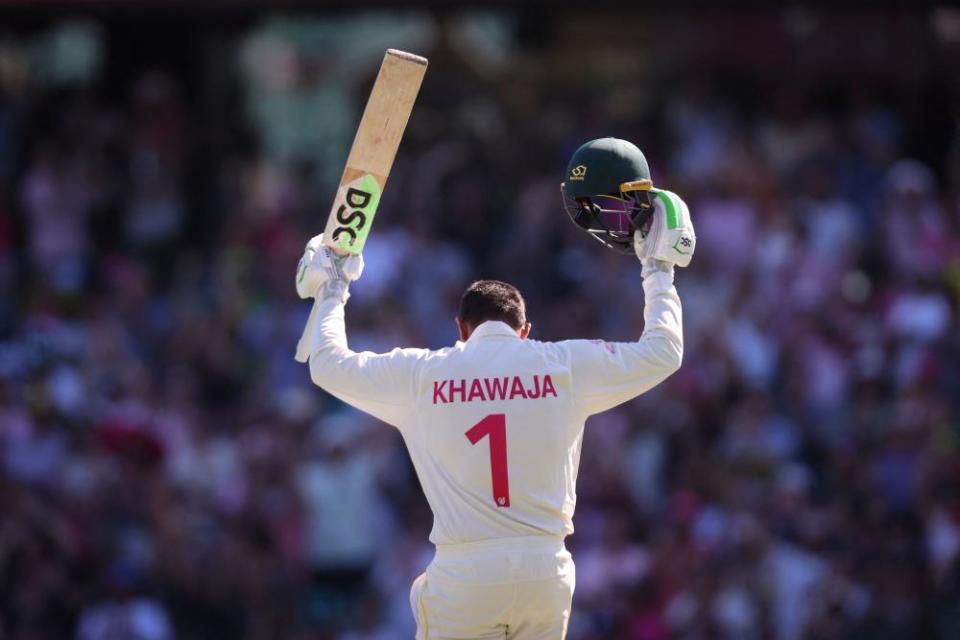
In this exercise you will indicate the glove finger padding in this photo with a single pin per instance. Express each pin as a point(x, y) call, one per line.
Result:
point(320, 265)
point(640, 245)
point(310, 275)
point(671, 237)
point(351, 266)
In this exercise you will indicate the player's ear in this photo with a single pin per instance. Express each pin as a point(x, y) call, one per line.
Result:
point(525, 330)
point(463, 329)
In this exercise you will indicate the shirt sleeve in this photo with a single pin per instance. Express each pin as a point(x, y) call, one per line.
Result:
point(605, 374)
point(381, 384)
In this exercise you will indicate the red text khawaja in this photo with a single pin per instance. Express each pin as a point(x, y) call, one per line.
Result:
point(489, 389)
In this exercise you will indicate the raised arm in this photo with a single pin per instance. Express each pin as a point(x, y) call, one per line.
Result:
point(379, 384)
point(606, 374)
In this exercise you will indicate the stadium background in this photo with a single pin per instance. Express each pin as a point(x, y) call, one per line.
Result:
point(166, 471)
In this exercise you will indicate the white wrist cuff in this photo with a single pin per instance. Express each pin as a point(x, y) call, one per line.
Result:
point(652, 265)
point(337, 289)
point(657, 281)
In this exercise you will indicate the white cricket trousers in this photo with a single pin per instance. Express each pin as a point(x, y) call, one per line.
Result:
point(508, 589)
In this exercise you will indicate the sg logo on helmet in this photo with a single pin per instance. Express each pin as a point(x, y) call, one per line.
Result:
point(578, 172)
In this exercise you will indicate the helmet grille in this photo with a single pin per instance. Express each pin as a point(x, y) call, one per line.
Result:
point(611, 219)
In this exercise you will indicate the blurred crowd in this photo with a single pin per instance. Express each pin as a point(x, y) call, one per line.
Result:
point(167, 471)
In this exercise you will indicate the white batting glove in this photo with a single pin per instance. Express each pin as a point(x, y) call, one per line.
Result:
point(323, 273)
point(671, 238)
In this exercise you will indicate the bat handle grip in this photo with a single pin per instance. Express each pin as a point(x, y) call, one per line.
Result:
point(337, 250)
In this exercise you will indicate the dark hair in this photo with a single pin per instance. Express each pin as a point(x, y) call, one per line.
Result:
point(492, 300)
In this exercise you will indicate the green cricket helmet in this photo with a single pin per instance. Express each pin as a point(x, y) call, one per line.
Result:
point(607, 191)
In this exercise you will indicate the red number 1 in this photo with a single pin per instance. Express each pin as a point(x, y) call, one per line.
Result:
point(495, 425)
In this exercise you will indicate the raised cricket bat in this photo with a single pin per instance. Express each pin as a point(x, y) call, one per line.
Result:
point(374, 148)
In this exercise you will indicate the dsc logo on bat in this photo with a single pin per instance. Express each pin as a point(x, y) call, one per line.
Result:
point(353, 212)
point(358, 200)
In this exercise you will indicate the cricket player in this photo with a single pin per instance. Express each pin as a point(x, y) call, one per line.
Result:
point(494, 423)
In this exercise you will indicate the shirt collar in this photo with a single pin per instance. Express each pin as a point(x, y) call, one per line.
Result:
point(493, 328)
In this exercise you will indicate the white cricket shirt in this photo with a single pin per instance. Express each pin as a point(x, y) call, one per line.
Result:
point(494, 424)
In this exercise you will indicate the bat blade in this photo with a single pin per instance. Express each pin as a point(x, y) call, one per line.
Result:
point(374, 149)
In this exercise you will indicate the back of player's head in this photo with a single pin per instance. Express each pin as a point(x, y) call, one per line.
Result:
point(492, 300)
